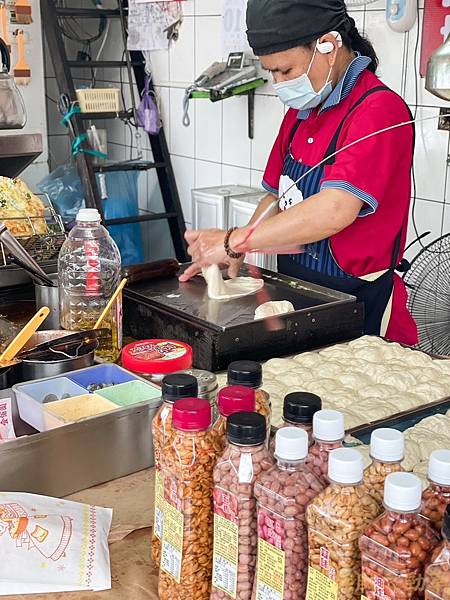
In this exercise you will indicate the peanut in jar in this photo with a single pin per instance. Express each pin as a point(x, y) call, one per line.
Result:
point(396, 547)
point(174, 387)
point(336, 518)
point(232, 399)
point(249, 374)
point(328, 435)
point(187, 463)
point(436, 497)
point(283, 494)
point(245, 458)
point(437, 573)
point(387, 450)
point(299, 409)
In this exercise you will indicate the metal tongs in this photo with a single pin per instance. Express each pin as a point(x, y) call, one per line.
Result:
point(68, 346)
point(22, 258)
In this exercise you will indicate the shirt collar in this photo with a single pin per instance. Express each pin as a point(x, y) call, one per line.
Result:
point(344, 87)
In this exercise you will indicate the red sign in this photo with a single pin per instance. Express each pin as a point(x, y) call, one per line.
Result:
point(436, 28)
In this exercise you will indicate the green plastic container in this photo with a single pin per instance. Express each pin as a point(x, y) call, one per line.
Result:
point(132, 392)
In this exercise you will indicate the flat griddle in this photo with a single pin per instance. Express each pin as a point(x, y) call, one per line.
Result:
point(222, 331)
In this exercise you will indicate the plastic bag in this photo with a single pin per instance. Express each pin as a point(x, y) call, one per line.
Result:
point(52, 545)
point(148, 113)
point(63, 187)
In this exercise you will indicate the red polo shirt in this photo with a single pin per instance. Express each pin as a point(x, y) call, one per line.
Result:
point(377, 170)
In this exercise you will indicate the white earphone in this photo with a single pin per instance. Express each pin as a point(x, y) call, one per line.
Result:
point(328, 47)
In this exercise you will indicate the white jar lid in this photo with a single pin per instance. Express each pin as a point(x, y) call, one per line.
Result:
point(328, 425)
point(402, 492)
point(439, 467)
point(387, 445)
point(291, 443)
point(88, 215)
point(345, 466)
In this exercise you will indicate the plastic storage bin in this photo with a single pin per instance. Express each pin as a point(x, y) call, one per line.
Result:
point(132, 392)
point(101, 374)
point(31, 396)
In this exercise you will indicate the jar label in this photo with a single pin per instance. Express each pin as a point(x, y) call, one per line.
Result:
point(226, 542)
point(377, 586)
point(172, 541)
point(320, 587)
point(159, 502)
point(271, 556)
point(162, 350)
point(245, 473)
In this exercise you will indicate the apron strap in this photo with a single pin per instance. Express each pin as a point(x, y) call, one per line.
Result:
point(293, 132)
point(333, 144)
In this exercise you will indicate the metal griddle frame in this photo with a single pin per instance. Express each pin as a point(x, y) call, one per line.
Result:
point(340, 319)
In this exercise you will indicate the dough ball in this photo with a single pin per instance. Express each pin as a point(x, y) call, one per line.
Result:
point(331, 368)
point(277, 365)
point(412, 454)
point(365, 341)
point(339, 352)
point(439, 424)
point(272, 308)
point(377, 391)
point(345, 399)
point(372, 355)
point(374, 409)
point(355, 381)
point(430, 392)
point(401, 381)
point(403, 402)
point(414, 358)
point(309, 360)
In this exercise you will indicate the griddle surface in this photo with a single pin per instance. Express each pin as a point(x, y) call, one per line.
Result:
point(191, 299)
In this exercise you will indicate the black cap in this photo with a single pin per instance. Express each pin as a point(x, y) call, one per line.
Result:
point(178, 386)
point(246, 429)
point(300, 407)
point(446, 527)
point(245, 372)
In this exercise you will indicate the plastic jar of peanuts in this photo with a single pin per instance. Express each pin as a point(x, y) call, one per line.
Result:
point(336, 518)
point(249, 374)
point(299, 409)
point(232, 399)
point(174, 387)
point(235, 524)
point(437, 573)
point(328, 435)
point(396, 546)
point(437, 496)
point(187, 463)
point(283, 494)
point(387, 450)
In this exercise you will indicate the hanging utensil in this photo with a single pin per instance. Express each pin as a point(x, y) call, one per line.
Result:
point(36, 276)
point(108, 307)
point(64, 345)
point(23, 336)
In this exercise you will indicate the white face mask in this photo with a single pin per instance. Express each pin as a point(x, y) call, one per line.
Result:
point(299, 93)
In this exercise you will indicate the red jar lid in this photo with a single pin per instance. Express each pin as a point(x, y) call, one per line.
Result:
point(191, 414)
point(236, 398)
point(157, 357)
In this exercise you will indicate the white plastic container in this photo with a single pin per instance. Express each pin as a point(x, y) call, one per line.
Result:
point(31, 398)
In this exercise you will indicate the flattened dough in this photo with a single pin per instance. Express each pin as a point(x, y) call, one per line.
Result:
point(218, 289)
point(272, 308)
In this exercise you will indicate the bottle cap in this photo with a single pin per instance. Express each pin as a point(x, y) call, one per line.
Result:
point(328, 425)
point(88, 215)
point(300, 407)
point(387, 445)
point(345, 466)
point(291, 443)
point(446, 527)
point(177, 386)
point(245, 372)
point(191, 414)
point(402, 492)
point(246, 429)
point(439, 467)
point(236, 398)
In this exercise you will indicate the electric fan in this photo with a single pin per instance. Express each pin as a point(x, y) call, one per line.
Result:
point(428, 281)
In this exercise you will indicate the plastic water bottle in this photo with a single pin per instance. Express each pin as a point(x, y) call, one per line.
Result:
point(89, 271)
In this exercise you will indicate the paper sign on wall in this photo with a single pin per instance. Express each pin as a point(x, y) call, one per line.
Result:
point(234, 27)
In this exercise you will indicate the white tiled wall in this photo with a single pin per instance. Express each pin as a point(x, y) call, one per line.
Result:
point(215, 149)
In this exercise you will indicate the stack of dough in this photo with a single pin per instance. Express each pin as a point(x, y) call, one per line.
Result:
point(367, 379)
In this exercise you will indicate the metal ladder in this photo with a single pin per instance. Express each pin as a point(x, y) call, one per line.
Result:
point(134, 62)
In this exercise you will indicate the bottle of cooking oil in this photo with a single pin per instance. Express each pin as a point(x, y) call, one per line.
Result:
point(89, 271)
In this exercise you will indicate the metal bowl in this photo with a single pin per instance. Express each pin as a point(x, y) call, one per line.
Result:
point(37, 369)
